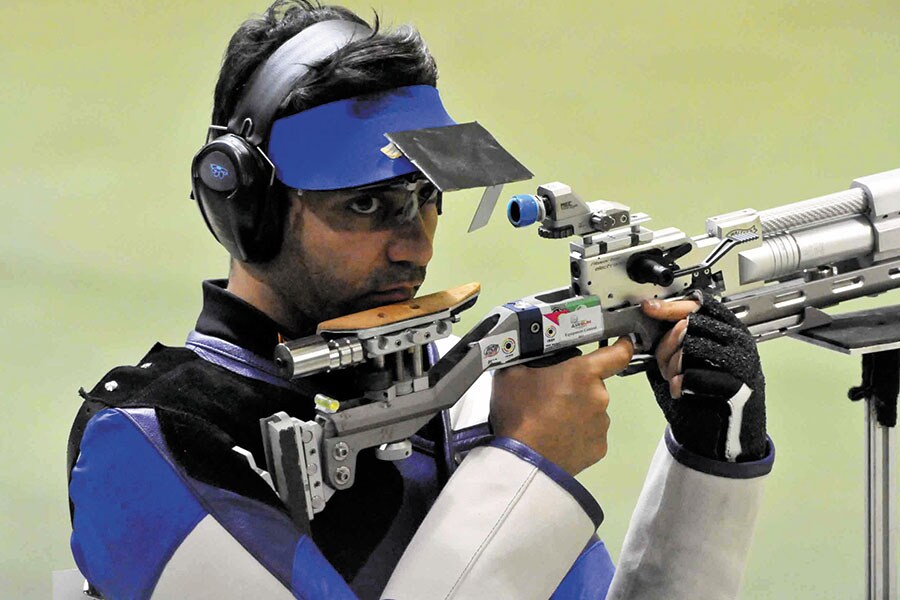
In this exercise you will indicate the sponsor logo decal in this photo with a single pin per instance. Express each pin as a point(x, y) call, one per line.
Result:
point(556, 314)
point(576, 322)
point(218, 171)
point(749, 232)
point(563, 309)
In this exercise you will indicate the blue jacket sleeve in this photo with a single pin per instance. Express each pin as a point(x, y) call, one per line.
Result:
point(590, 576)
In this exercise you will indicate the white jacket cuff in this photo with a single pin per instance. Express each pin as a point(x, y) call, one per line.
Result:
point(690, 533)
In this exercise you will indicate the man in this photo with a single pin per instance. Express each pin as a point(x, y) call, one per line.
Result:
point(339, 222)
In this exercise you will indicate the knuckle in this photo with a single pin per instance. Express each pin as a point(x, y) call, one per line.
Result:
point(603, 399)
point(582, 377)
point(600, 449)
point(596, 395)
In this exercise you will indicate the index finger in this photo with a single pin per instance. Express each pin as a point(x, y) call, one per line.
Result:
point(673, 310)
point(606, 362)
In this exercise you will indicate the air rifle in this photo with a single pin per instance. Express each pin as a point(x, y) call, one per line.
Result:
point(776, 269)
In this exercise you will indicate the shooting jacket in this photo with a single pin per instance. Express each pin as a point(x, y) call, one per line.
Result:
point(164, 507)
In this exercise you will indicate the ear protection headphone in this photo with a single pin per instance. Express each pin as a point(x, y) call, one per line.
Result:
point(231, 177)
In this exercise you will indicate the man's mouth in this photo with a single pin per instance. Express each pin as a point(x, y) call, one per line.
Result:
point(395, 293)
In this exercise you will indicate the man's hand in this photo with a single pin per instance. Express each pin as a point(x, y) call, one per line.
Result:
point(560, 411)
point(708, 380)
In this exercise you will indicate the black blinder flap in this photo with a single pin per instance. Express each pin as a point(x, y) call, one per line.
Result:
point(460, 157)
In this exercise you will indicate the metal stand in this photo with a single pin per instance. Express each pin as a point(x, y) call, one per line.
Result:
point(881, 377)
point(881, 533)
point(875, 335)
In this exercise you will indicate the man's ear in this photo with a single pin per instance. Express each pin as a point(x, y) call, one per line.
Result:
point(296, 206)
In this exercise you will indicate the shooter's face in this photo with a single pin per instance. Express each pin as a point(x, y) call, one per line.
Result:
point(350, 250)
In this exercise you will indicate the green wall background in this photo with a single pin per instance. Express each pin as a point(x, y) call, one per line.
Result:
point(681, 110)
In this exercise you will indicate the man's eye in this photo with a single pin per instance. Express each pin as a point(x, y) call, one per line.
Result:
point(365, 205)
point(429, 195)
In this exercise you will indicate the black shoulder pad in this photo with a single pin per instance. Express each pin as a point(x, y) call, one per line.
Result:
point(122, 385)
point(109, 393)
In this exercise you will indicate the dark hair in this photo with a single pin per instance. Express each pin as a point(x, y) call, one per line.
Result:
point(383, 61)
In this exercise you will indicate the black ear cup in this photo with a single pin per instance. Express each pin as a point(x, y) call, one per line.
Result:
point(232, 180)
point(232, 184)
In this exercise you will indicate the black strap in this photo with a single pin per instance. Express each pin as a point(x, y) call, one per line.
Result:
point(274, 79)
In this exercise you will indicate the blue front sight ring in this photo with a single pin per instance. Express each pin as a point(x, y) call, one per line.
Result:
point(524, 210)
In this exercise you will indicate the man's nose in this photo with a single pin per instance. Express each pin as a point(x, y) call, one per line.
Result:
point(412, 242)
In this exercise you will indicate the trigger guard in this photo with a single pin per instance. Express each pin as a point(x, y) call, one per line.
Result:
point(554, 359)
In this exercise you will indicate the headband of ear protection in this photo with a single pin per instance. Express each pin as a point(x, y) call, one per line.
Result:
point(231, 177)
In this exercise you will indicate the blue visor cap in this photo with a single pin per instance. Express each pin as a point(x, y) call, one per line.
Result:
point(342, 144)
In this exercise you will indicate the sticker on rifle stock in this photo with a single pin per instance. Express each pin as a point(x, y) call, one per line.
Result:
point(498, 349)
point(558, 310)
point(578, 322)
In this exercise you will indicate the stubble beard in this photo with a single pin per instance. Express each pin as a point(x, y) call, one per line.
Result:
point(314, 293)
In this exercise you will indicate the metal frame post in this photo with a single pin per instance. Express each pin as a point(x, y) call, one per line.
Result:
point(881, 513)
point(880, 386)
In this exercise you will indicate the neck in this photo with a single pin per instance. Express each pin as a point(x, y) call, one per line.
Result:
point(248, 284)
